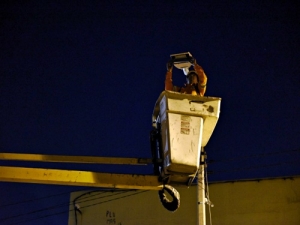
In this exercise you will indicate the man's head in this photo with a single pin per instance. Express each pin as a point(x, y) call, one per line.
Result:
point(192, 77)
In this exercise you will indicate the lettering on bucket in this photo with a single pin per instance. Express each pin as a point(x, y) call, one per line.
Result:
point(185, 124)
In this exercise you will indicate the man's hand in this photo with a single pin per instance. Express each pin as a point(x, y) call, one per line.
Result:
point(170, 66)
point(193, 61)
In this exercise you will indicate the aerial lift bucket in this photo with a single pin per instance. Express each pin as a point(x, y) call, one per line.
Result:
point(185, 123)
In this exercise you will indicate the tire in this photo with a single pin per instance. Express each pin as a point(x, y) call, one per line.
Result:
point(168, 204)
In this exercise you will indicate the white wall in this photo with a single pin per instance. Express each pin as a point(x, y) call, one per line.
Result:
point(133, 207)
point(264, 202)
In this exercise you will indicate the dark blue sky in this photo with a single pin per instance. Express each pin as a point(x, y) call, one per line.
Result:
point(83, 80)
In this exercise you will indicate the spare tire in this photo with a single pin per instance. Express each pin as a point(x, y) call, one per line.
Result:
point(171, 205)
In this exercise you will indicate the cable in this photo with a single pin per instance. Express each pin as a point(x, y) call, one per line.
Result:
point(67, 211)
point(31, 200)
point(35, 211)
point(253, 167)
point(41, 217)
point(77, 208)
point(239, 158)
point(115, 199)
point(36, 199)
point(207, 196)
point(53, 207)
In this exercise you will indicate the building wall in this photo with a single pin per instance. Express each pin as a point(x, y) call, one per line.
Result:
point(126, 207)
point(263, 202)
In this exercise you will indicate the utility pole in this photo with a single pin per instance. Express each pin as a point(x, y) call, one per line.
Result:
point(201, 219)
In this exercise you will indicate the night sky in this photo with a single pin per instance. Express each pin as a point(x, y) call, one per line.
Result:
point(83, 80)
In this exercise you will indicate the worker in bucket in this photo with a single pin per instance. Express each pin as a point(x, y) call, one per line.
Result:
point(195, 80)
